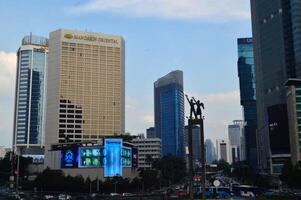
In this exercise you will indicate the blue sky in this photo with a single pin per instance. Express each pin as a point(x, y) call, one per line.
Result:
point(196, 36)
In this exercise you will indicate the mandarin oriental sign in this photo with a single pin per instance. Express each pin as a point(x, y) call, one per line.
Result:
point(90, 38)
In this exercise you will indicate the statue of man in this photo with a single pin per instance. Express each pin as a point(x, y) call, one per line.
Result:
point(199, 108)
point(192, 104)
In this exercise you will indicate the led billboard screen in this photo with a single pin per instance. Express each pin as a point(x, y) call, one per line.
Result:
point(134, 157)
point(112, 161)
point(91, 157)
point(69, 158)
point(126, 157)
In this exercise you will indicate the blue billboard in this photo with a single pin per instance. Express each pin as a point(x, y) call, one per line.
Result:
point(69, 158)
point(91, 157)
point(126, 157)
point(112, 161)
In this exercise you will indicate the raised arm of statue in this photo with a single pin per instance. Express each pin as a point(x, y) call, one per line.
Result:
point(187, 98)
point(194, 99)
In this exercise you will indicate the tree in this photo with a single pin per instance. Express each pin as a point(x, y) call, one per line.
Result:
point(172, 169)
point(223, 166)
point(149, 160)
point(149, 178)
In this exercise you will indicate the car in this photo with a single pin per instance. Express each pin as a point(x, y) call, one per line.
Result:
point(64, 197)
point(48, 196)
point(223, 194)
point(114, 194)
point(127, 194)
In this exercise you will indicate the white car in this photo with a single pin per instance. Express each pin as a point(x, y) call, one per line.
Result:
point(64, 197)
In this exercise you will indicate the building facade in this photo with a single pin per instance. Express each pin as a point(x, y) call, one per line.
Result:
point(247, 84)
point(149, 149)
point(236, 140)
point(223, 150)
point(169, 112)
point(210, 151)
point(150, 132)
point(275, 33)
point(30, 95)
point(196, 144)
point(85, 88)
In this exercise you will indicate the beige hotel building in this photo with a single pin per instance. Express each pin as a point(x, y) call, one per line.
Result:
point(85, 87)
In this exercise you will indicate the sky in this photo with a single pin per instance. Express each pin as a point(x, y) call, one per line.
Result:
point(198, 37)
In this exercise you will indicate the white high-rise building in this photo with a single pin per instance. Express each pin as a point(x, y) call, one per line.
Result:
point(223, 150)
point(237, 140)
point(147, 147)
point(28, 136)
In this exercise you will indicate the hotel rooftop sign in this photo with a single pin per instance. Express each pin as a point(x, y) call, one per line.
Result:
point(91, 38)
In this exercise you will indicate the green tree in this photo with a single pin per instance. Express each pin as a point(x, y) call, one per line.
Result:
point(172, 169)
point(223, 166)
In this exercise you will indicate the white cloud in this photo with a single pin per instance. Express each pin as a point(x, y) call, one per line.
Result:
point(7, 88)
point(208, 10)
point(220, 110)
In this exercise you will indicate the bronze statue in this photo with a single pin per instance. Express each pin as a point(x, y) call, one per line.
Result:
point(199, 108)
point(192, 104)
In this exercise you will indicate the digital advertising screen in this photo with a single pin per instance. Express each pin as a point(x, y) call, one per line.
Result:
point(113, 151)
point(91, 157)
point(126, 157)
point(134, 157)
point(69, 157)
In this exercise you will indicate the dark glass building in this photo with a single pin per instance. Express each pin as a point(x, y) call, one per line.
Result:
point(210, 151)
point(30, 95)
point(246, 74)
point(277, 47)
point(169, 112)
point(196, 144)
point(150, 132)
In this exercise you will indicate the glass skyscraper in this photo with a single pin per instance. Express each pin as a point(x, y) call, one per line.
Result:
point(30, 94)
point(169, 112)
point(246, 74)
point(277, 48)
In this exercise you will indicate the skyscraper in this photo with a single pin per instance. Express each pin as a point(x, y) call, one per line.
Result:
point(169, 112)
point(85, 89)
point(29, 118)
point(275, 34)
point(246, 74)
point(236, 140)
point(210, 151)
point(223, 150)
point(196, 143)
point(150, 132)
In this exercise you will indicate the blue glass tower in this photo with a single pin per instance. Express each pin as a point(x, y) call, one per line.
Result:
point(246, 74)
point(30, 93)
point(169, 112)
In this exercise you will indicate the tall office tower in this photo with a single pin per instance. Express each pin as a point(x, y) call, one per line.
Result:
point(223, 150)
point(294, 85)
point(150, 132)
point(236, 140)
point(85, 88)
point(246, 74)
point(196, 143)
point(276, 37)
point(28, 137)
point(210, 151)
point(169, 112)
